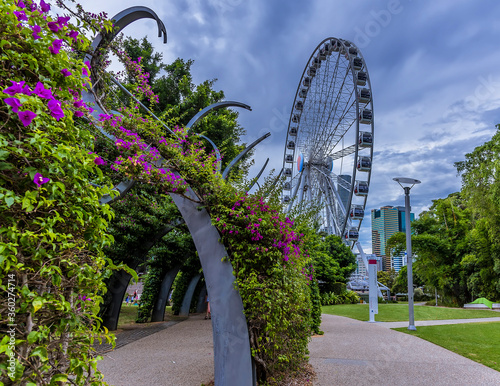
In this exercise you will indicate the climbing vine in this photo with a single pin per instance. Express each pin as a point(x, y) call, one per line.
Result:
point(53, 230)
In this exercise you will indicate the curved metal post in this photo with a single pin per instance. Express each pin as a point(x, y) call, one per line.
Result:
point(116, 288)
point(188, 296)
point(215, 106)
point(126, 17)
point(242, 154)
point(161, 300)
point(200, 306)
point(232, 359)
point(256, 178)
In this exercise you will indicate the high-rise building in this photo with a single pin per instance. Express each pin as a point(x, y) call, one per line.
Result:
point(385, 222)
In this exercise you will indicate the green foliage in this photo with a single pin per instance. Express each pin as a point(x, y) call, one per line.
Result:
point(440, 242)
point(316, 307)
point(171, 251)
point(387, 278)
point(339, 288)
point(333, 261)
point(346, 297)
point(52, 227)
point(182, 280)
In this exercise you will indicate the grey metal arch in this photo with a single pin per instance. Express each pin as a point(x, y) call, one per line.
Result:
point(215, 106)
point(256, 178)
point(242, 154)
point(204, 112)
point(119, 280)
point(161, 300)
point(232, 358)
point(188, 296)
point(126, 17)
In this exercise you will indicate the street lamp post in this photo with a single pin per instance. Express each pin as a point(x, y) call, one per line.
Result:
point(407, 184)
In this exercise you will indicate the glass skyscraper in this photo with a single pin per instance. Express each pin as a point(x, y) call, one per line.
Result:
point(385, 222)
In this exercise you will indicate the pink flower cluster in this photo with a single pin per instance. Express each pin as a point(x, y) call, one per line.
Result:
point(135, 69)
point(137, 158)
point(54, 105)
point(249, 216)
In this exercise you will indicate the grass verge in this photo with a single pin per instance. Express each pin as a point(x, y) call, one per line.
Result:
point(128, 315)
point(399, 312)
point(476, 341)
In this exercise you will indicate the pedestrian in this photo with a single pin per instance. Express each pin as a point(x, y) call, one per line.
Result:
point(126, 300)
point(208, 315)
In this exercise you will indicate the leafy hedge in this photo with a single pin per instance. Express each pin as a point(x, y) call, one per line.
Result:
point(331, 298)
point(52, 227)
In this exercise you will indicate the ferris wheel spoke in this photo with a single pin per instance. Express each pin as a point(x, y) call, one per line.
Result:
point(344, 152)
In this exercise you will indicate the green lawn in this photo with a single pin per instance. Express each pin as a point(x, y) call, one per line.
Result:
point(399, 312)
point(476, 341)
point(128, 314)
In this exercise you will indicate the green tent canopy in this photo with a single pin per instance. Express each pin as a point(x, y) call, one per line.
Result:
point(483, 301)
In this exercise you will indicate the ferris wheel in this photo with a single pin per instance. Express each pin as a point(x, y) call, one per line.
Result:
point(329, 145)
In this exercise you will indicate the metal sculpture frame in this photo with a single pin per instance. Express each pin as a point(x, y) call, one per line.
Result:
point(232, 356)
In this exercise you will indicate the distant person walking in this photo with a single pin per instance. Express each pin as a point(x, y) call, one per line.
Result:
point(208, 315)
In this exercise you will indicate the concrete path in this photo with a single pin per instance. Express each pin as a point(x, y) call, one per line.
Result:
point(180, 355)
point(361, 353)
point(349, 353)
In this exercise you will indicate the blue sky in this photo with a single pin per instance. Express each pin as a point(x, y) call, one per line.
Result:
point(433, 68)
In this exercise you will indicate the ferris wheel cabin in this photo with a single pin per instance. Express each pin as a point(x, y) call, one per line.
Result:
point(364, 95)
point(361, 188)
point(357, 212)
point(365, 117)
point(361, 78)
point(351, 235)
point(364, 164)
point(365, 139)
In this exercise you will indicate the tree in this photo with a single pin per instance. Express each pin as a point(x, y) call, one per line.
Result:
point(440, 242)
point(480, 188)
point(387, 278)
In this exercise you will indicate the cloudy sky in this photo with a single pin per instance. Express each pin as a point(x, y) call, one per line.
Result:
point(434, 69)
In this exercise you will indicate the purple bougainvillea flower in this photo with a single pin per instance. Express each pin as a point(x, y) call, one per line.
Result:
point(87, 63)
point(42, 92)
point(26, 117)
point(15, 88)
point(72, 34)
point(53, 26)
point(39, 180)
point(78, 103)
point(56, 46)
point(21, 16)
point(14, 103)
point(20, 4)
point(65, 72)
point(44, 6)
point(78, 114)
point(63, 21)
point(99, 161)
point(55, 109)
point(36, 30)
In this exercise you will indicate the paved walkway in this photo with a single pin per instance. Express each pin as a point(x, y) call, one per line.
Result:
point(361, 353)
point(349, 353)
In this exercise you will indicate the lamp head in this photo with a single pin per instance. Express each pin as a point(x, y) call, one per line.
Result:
point(406, 182)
